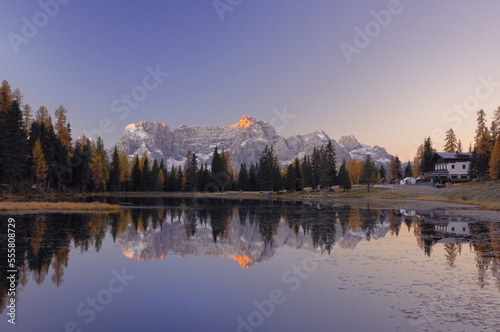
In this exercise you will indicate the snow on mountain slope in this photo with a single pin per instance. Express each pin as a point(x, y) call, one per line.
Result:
point(244, 140)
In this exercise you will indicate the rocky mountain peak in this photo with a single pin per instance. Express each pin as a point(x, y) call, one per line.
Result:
point(245, 122)
point(244, 140)
point(350, 142)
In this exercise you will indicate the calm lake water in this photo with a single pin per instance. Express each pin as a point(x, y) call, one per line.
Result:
point(226, 265)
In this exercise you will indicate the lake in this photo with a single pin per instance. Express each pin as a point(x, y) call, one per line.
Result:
point(178, 264)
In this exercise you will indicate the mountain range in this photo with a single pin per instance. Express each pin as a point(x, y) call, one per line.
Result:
point(244, 140)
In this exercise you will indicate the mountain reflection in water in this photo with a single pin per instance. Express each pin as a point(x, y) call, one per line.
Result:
point(248, 232)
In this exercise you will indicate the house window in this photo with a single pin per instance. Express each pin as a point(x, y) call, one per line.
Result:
point(453, 229)
point(463, 229)
point(452, 166)
point(463, 166)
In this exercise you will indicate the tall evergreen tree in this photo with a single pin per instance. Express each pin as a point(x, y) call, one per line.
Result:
point(368, 172)
point(427, 154)
point(479, 165)
point(450, 143)
point(252, 177)
point(344, 178)
point(136, 175)
point(13, 156)
point(408, 170)
point(298, 174)
point(243, 179)
point(382, 172)
point(495, 126)
point(115, 171)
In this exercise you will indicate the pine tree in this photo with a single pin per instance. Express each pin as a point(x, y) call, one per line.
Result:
point(14, 145)
point(495, 161)
point(382, 172)
point(329, 171)
point(290, 180)
point(427, 154)
point(252, 177)
point(408, 170)
point(115, 171)
point(243, 180)
point(40, 167)
point(268, 174)
point(344, 178)
point(155, 173)
point(190, 172)
point(459, 147)
point(136, 175)
point(306, 172)
point(451, 144)
point(298, 174)
point(368, 172)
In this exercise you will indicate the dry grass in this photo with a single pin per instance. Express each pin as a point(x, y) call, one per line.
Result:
point(50, 206)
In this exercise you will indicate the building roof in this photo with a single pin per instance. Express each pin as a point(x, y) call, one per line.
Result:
point(452, 156)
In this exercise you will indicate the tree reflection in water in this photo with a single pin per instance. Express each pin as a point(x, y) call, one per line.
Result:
point(44, 241)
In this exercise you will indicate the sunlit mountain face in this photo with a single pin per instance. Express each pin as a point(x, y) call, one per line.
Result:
point(244, 141)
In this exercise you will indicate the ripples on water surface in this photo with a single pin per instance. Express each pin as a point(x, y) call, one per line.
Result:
point(221, 265)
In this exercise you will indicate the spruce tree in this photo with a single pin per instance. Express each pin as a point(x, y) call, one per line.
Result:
point(115, 171)
point(368, 172)
point(344, 178)
point(450, 143)
point(14, 145)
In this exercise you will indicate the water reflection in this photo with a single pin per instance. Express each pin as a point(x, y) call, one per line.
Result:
point(248, 232)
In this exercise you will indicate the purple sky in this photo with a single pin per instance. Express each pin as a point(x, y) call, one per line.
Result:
point(405, 80)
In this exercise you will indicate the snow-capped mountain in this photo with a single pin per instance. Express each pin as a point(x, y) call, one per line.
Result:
point(244, 140)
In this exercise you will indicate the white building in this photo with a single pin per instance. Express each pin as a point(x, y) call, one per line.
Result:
point(449, 167)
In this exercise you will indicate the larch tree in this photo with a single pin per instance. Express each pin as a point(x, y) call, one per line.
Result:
point(39, 165)
point(124, 171)
point(97, 173)
point(450, 143)
point(495, 161)
point(495, 125)
point(61, 127)
point(354, 170)
point(482, 149)
point(42, 116)
point(417, 161)
point(395, 172)
point(5, 98)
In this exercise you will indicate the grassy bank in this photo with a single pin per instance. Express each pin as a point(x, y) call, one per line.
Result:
point(51, 206)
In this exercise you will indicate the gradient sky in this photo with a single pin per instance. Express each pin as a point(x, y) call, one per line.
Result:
point(263, 56)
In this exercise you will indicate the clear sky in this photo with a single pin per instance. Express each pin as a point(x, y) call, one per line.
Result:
point(391, 85)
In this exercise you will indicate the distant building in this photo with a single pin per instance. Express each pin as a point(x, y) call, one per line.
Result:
point(449, 167)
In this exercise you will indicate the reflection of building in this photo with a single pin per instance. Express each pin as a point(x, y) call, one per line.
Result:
point(449, 167)
point(453, 231)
